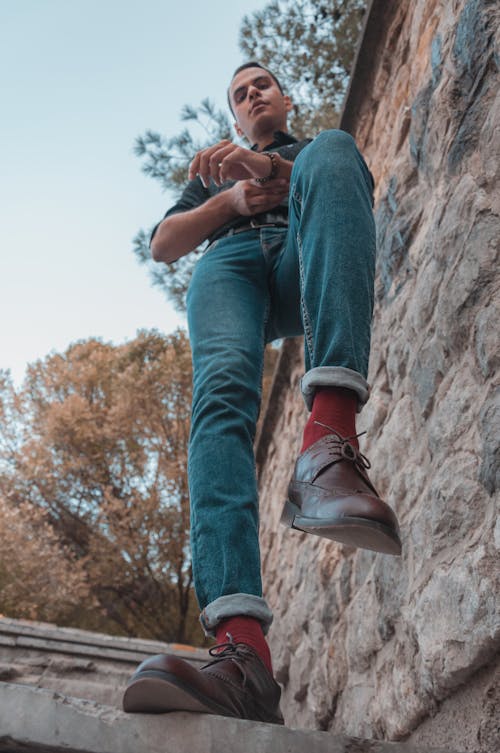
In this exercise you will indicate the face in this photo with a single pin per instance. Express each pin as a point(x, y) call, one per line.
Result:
point(258, 105)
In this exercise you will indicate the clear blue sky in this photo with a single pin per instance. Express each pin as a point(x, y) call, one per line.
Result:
point(79, 80)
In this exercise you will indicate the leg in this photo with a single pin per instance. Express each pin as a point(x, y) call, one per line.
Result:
point(227, 313)
point(328, 266)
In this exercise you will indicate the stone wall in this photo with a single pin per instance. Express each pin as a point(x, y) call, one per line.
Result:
point(367, 644)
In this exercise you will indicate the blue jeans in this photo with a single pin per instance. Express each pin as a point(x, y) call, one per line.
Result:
point(313, 278)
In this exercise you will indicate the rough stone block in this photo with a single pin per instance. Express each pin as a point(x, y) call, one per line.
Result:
point(41, 721)
point(371, 645)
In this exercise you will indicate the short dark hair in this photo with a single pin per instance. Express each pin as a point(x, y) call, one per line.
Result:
point(251, 64)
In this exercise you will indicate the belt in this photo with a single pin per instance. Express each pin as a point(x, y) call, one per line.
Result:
point(253, 225)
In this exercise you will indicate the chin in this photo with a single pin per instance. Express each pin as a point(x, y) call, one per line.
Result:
point(265, 124)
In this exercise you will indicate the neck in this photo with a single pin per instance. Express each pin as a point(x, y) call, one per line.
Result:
point(266, 137)
point(263, 140)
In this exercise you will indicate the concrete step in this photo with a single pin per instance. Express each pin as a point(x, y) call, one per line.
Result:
point(43, 721)
point(46, 637)
point(76, 662)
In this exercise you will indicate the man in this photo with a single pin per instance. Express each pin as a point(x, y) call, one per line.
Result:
point(291, 251)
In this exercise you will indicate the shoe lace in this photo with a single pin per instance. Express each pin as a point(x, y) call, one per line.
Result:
point(239, 653)
point(338, 444)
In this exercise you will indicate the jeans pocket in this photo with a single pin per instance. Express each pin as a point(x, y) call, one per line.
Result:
point(272, 242)
point(211, 246)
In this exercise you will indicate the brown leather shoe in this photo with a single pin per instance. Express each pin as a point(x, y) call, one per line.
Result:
point(236, 683)
point(331, 495)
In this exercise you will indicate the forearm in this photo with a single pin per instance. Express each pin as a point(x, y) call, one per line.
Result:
point(181, 233)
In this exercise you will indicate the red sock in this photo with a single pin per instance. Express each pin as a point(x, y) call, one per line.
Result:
point(335, 407)
point(245, 630)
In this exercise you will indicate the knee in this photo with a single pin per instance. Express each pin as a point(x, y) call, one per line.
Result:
point(226, 390)
point(332, 158)
point(329, 150)
point(334, 139)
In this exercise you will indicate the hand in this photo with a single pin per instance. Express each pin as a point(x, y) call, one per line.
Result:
point(227, 161)
point(249, 198)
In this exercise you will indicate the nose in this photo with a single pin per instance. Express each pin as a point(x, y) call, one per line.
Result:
point(252, 91)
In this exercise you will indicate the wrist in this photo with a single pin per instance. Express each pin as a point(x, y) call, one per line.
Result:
point(230, 199)
point(274, 166)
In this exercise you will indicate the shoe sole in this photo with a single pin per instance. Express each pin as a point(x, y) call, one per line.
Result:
point(156, 692)
point(358, 532)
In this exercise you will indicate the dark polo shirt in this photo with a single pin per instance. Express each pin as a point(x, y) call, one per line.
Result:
point(194, 195)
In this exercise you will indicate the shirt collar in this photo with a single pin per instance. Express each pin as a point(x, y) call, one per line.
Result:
point(280, 139)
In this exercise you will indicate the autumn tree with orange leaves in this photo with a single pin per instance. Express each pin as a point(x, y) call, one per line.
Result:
point(94, 509)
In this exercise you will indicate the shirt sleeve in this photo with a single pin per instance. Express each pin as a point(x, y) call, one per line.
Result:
point(194, 195)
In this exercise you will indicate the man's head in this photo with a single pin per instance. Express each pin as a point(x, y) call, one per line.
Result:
point(257, 102)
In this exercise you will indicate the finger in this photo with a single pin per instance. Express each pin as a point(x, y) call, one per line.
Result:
point(199, 160)
point(260, 203)
point(278, 191)
point(274, 186)
point(209, 161)
point(217, 161)
point(231, 158)
point(193, 166)
point(204, 166)
point(282, 184)
point(277, 182)
point(240, 164)
point(263, 203)
point(250, 188)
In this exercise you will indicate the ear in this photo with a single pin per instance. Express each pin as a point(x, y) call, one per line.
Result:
point(288, 103)
point(238, 129)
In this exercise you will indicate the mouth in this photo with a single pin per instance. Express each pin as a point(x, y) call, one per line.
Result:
point(256, 106)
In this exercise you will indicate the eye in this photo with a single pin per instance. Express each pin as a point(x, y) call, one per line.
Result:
point(240, 96)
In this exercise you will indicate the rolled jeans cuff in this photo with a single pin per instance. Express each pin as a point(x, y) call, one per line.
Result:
point(334, 376)
point(235, 605)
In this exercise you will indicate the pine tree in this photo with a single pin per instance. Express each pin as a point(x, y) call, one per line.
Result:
point(167, 161)
point(310, 47)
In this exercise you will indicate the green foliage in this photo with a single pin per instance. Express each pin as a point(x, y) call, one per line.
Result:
point(167, 160)
point(310, 47)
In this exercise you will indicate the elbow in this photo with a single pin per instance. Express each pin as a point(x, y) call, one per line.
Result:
point(168, 243)
point(162, 246)
point(156, 250)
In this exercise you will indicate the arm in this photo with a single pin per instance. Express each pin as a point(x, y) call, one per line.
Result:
point(181, 233)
